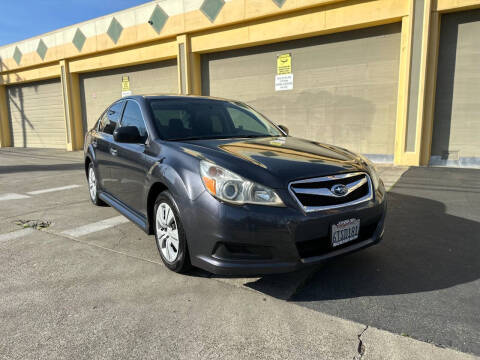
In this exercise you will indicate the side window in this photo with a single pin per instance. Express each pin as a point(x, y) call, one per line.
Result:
point(132, 116)
point(242, 121)
point(110, 118)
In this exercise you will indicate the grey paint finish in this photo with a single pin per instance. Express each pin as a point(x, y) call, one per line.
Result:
point(100, 89)
point(36, 115)
point(456, 139)
point(345, 86)
point(414, 75)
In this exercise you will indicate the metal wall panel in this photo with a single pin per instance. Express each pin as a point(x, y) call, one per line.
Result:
point(100, 89)
point(36, 115)
point(344, 93)
point(456, 127)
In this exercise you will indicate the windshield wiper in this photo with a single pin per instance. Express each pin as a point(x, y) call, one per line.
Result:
point(217, 137)
point(254, 136)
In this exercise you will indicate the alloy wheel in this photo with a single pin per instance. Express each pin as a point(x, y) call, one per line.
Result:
point(92, 183)
point(167, 232)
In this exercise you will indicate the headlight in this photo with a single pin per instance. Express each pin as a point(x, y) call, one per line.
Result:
point(373, 172)
point(230, 187)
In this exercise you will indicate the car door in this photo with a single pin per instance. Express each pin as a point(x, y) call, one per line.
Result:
point(129, 166)
point(102, 141)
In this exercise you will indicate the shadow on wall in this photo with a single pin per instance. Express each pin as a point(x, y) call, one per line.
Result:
point(320, 115)
point(446, 75)
point(447, 58)
point(16, 98)
point(424, 248)
point(16, 92)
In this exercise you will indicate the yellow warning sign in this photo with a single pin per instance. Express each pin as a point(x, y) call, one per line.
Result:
point(125, 83)
point(284, 64)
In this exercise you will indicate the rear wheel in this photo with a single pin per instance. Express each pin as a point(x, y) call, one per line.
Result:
point(169, 234)
point(93, 186)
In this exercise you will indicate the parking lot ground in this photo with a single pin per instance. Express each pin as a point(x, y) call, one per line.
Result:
point(89, 284)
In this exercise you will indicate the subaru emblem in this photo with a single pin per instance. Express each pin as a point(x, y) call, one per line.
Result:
point(339, 190)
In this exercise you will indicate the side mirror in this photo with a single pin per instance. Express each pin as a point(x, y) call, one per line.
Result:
point(284, 129)
point(128, 134)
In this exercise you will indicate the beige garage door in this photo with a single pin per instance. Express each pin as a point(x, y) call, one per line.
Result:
point(344, 86)
point(456, 130)
point(37, 115)
point(100, 89)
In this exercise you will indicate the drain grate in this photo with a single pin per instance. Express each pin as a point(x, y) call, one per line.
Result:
point(34, 224)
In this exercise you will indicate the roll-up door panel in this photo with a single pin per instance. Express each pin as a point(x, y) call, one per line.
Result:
point(37, 117)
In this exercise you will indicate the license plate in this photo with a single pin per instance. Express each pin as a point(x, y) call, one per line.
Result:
point(345, 231)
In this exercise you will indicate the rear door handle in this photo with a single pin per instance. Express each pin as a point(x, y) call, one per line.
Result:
point(113, 151)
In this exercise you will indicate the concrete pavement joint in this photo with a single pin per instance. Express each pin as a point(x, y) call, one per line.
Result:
point(301, 284)
point(66, 236)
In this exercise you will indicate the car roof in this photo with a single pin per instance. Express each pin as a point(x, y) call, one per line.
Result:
point(175, 97)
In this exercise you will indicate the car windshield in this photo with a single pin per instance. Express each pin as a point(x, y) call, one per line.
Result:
point(195, 119)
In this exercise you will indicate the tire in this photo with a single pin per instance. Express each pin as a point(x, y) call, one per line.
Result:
point(167, 226)
point(92, 180)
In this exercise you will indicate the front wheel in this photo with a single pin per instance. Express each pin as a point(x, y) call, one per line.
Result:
point(169, 234)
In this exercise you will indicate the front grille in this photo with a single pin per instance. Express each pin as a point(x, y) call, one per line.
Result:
point(322, 246)
point(317, 194)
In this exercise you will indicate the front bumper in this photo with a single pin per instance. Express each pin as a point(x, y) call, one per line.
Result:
point(253, 240)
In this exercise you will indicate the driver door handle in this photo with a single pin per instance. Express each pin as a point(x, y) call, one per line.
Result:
point(113, 151)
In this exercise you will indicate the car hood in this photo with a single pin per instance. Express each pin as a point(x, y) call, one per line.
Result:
point(275, 161)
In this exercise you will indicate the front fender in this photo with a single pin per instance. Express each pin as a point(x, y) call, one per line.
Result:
point(182, 180)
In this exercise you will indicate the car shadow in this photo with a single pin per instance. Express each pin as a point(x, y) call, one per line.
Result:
point(8, 169)
point(425, 248)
